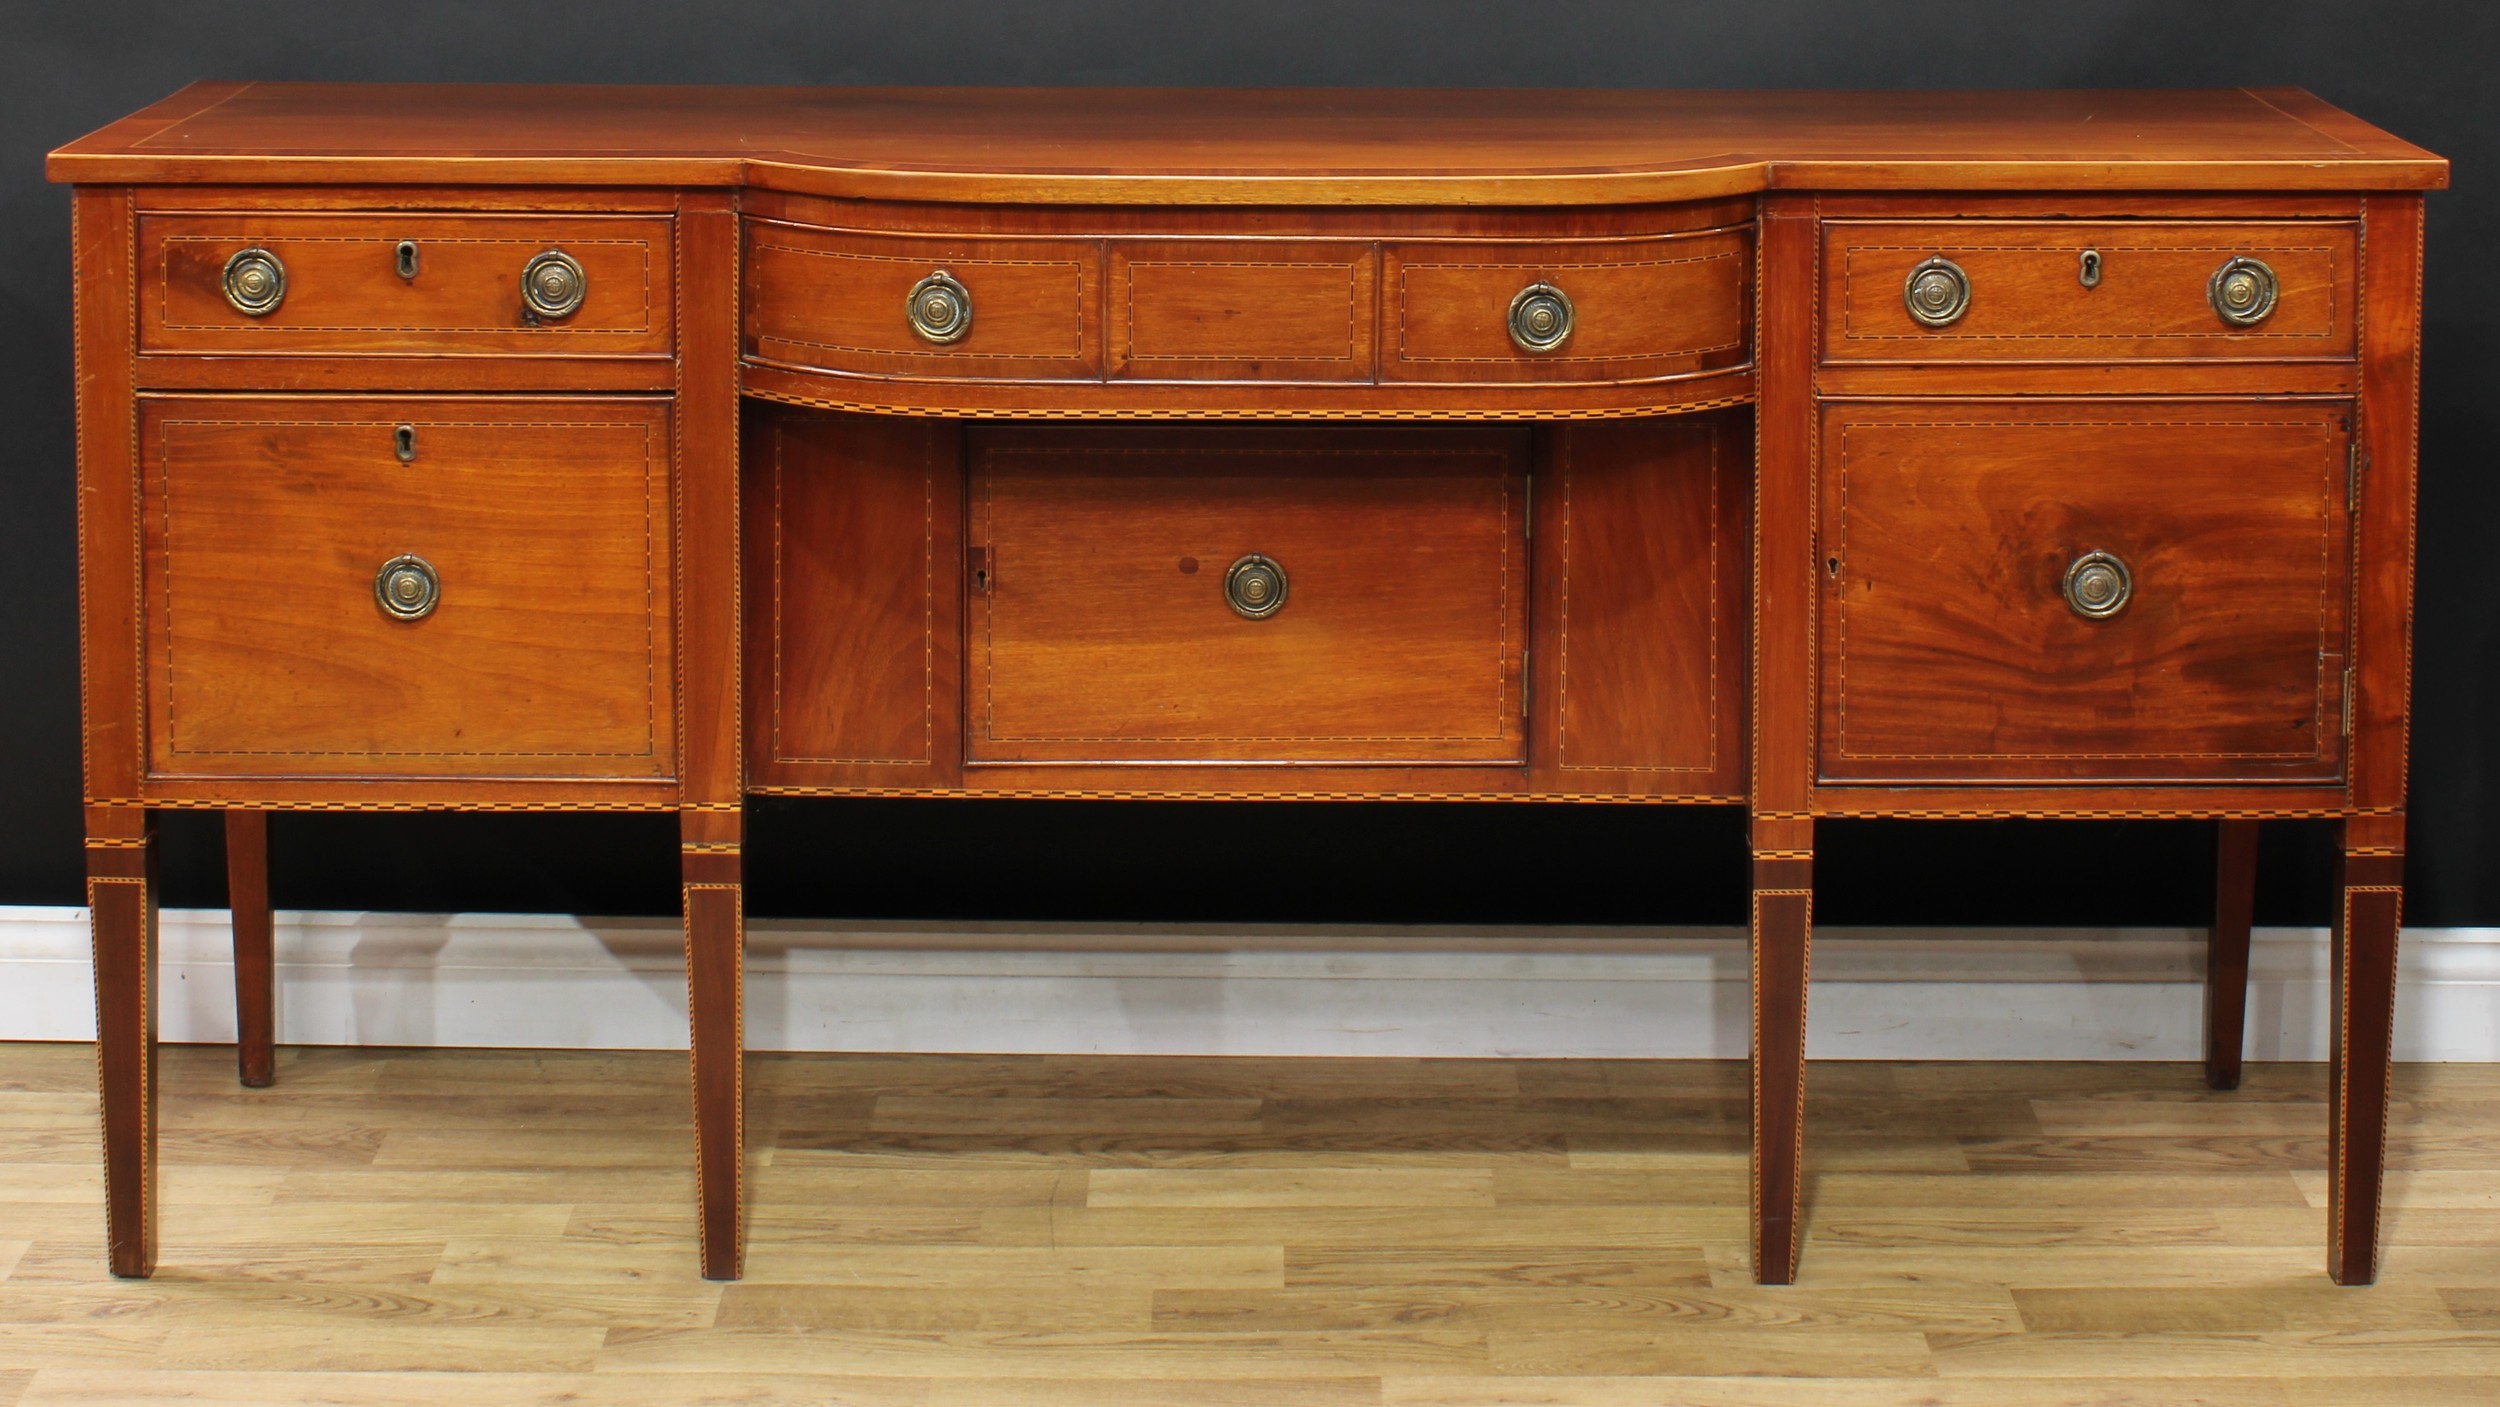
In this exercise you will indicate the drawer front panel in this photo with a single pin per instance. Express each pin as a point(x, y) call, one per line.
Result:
point(1640, 309)
point(543, 525)
point(1241, 310)
point(1100, 625)
point(1951, 649)
point(2150, 295)
point(344, 292)
point(841, 302)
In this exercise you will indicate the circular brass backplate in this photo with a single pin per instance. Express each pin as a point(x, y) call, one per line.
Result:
point(2097, 585)
point(408, 588)
point(1937, 293)
point(1255, 587)
point(553, 284)
point(1541, 318)
point(2242, 292)
point(940, 308)
point(255, 282)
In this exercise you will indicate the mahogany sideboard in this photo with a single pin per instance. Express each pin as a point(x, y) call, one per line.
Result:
point(1892, 454)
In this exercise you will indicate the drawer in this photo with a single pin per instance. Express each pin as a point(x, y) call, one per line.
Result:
point(341, 284)
point(2084, 591)
point(1632, 309)
point(915, 306)
point(274, 529)
point(1247, 595)
point(1241, 310)
point(2088, 290)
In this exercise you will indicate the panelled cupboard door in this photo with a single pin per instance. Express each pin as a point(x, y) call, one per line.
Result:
point(1247, 594)
point(407, 587)
point(2057, 591)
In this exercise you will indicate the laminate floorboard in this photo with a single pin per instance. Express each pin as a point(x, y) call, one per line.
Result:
point(500, 1228)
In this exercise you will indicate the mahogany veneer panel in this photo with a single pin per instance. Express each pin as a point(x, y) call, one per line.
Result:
point(1242, 310)
point(855, 578)
point(1949, 651)
point(344, 294)
point(1640, 563)
point(1098, 624)
point(266, 519)
point(2029, 303)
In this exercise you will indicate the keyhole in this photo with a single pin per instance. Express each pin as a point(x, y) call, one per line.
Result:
point(2089, 270)
point(1832, 565)
point(408, 258)
point(404, 442)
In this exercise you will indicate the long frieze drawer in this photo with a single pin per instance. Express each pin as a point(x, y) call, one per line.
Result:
point(345, 284)
point(1241, 310)
point(386, 587)
point(2084, 591)
point(1594, 310)
point(2088, 290)
point(915, 306)
point(1247, 595)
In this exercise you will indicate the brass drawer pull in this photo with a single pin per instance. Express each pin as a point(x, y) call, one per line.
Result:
point(2098, 586)
point(1541, 318)
point(1937, 292)
point(2242, 291)
point(255, 282)
point(940, 308)
point(553, 285)
point(1255, 587)
point(408, 588)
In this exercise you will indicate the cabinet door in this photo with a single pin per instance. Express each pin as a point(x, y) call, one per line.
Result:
point(2052, 592)
point(403, 587)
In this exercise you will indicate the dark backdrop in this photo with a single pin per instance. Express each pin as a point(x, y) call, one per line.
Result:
point(2423, 70)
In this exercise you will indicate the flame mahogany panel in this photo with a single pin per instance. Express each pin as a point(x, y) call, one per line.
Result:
point(1949, 651)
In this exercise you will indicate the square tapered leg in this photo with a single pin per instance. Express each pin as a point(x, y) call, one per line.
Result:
point(2369, 906)
point(1783, 923)
point(121, 904)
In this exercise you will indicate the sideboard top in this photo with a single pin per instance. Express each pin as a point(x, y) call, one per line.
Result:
point(1265, 146)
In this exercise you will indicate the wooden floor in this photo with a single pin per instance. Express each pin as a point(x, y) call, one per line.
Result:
point(486, 1228)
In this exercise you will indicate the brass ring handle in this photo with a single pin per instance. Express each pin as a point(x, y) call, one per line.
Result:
point(1541, 318)
point(255, 282)
point(940, 308)
point(2098, 586)
point(408, 588)
point(2242, 291)
point(553, 285)
point(1255, 587)
point(1937, 293)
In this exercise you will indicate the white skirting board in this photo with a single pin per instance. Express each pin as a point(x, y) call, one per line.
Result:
point(553, 981)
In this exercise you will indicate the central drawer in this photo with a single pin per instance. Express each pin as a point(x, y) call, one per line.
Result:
point(1244, 595)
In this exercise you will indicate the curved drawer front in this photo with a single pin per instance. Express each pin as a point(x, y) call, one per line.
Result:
point(1241, 310)
point(842, 301)
point(389, 587)
point(351, 284)
point(2088, 290)
point(1638, 309)
point(2094, 591)
point(1247, 595)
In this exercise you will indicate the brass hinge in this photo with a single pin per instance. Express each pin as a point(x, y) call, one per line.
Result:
point(2347, 701)
point(1527, 508)
point(1527, 679)
point(2355, 464)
